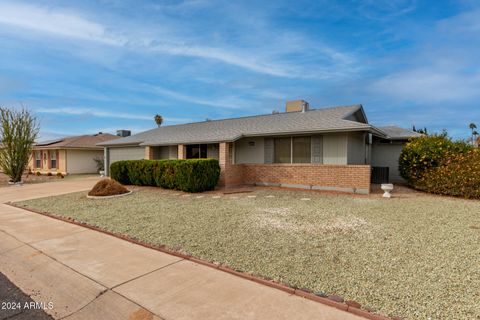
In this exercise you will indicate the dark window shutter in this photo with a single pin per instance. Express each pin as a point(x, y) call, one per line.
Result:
point(268, 144)
point(317, 149)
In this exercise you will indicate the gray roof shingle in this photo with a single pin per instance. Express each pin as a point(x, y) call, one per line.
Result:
point(83, 142)
point(314, 120)
point(397, 133)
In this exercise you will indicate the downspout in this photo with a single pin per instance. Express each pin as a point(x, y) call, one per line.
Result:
point(106, 162)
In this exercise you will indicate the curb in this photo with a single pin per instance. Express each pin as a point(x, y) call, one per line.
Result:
point(331, 301)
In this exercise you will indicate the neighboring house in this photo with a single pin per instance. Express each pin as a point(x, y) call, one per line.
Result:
point(70, 155)
point(323, 149)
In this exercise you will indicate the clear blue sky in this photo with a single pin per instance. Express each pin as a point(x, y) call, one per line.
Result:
point(89, 66)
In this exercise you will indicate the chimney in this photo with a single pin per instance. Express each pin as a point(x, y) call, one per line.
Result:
point(124, 133)
point(297, 106)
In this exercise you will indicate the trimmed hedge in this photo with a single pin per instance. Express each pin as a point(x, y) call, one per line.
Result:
point(457, 176)
point(421, 154)
point(191, 175)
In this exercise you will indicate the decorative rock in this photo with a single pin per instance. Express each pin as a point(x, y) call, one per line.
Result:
point(336, 298)
point(353, 304)
point(321, 294)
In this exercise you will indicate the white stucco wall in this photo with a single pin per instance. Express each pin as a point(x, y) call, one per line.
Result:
point(125, 153)
point(81, 161)
point(335, 148)
point(387, 155)
point(247, 153)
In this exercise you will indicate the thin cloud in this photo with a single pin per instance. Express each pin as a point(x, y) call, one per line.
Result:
point(227, 102)
point(105, 114)
point(71, 25)
point(55, 22)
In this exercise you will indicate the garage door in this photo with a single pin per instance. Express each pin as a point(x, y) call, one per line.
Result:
point(126, 153)
point(387, 155)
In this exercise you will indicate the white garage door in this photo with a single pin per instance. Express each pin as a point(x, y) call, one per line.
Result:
point(126, 153)
point(387, 155)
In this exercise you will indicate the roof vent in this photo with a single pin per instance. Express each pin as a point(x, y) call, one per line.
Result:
point(124, 133)
point(297, 106)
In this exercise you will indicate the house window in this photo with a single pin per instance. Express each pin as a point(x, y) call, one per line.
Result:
point(292, 150)
point(251, 143)
point(53, 160)
point(282, 150)
point(302, 150)
point(195, 151)
point(38, 159)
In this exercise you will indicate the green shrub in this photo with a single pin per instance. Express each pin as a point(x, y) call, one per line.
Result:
point(457, 176)
point(192, 175)
point(421, 154)
point(119, 172)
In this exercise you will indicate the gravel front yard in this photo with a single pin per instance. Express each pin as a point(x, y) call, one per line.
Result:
point(413, 257)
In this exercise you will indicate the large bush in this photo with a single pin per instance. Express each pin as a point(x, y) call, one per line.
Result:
point(421, 154)
point(457, 176)
point(192, 175)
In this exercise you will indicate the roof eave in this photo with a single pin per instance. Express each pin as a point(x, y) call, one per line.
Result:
point(367, 128)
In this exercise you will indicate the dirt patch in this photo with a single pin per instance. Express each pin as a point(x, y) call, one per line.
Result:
point(284, 219)
point(141, 314)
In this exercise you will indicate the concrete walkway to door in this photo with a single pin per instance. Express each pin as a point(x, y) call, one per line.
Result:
point(91, 275)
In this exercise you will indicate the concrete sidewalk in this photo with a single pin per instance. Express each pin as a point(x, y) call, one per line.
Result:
point(90, 275)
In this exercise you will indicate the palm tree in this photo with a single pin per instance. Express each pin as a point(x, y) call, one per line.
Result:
point(158, 120)
point(472, 127)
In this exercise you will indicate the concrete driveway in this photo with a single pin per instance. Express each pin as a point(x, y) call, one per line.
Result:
point(89, 275)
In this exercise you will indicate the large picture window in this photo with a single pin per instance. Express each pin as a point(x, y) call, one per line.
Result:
point(292, 150)
point(195, 151)
point(282, 150)
point(302, 150)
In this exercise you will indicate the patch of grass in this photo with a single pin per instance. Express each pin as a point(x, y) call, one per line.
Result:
point(415, 257)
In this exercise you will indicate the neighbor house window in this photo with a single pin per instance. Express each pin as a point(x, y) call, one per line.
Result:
point(292, 150)
point(53, 160)
point(302, 150)
point(38, 159)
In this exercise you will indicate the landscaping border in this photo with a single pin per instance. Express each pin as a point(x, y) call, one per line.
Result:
point(109, 197)
point(332, 300)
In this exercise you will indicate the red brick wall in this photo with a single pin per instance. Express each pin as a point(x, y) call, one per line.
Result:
point(355, 178)
point(230, 174)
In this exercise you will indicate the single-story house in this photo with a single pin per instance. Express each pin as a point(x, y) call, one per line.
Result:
point(70, 155)
point(323, 149)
